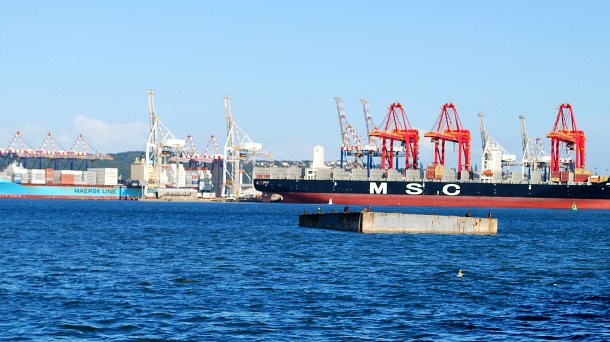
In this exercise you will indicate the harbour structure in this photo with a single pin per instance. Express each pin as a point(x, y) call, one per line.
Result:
point(238, 149)
point(449, 128)
point(437, 186)
point(172, 167)
point(535, 157)
point(370, 125)
point(169, 167)
point(397, 138)
point(494, 158)
point(202, 170)
point(50, 153)
point(351, 142)
point(567, 147)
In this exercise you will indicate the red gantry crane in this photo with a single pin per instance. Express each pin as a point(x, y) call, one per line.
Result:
point(448, 128)
point(395, 127)
point(566, 134)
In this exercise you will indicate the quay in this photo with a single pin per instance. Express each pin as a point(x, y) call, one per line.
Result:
point(381, 222)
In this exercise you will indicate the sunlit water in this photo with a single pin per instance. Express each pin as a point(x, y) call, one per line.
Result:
point(202, 271)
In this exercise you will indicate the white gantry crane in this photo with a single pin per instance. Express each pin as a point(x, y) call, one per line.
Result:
point(534, 155)
point(370, 126)
point(161, 146)
point(372, 149)
point(238, 147)
point(351, 142)
point(494, 156)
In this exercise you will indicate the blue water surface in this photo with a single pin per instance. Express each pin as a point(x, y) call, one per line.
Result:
point(228, 271)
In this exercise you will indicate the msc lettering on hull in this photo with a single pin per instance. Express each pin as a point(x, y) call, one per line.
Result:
point(412, 189)
point(378, 189)
point(456, 189)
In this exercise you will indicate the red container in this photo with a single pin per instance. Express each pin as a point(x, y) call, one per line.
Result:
point(581, 178)
point(555, 176)
point(66, 179)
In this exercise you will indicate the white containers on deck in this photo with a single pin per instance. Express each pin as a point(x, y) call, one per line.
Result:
point(205, 180)
point(105, 176)
point(90, 177)
point(37, 176)
point(191, 178)
point(175, 175)
point(180, 176)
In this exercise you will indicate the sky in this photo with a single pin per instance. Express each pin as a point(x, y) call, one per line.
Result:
point(73, 67)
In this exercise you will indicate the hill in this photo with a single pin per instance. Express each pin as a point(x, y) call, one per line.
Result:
point(121, 161)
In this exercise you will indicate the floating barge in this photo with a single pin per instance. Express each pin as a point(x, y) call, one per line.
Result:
point(380, 222)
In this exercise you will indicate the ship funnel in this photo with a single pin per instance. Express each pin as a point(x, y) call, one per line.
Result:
point(318, 157)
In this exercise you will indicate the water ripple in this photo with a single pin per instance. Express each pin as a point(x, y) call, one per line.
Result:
point(193, 271)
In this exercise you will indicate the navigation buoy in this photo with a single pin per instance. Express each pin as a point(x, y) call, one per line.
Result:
point(574, 206)
point(330, 201)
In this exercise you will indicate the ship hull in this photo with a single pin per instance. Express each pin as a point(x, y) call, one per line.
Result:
point(443, 201)
point(34, 191)
point(443, 194)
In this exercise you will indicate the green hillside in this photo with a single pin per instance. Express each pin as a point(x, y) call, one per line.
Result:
point(121, 161)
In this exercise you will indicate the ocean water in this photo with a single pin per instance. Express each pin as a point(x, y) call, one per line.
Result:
point(87, 270)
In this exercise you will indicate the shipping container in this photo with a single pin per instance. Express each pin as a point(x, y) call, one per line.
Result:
point(581, 178)
point(105, 176)
point(66, 179)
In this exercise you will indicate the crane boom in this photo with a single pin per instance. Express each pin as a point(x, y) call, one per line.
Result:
point(566, 133)
point(534, 156)
point(229, 118)
point(484, 134)
point(524, 137)
point(397, 129)
point(161, 144)
point(494, 155)
point(238, 148)
point(151, 111)
point(448, 127)
point(343, 126)
point(368, 118)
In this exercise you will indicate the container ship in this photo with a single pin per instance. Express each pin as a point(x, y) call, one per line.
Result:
point(341, 187)
point(558, 180)
point(93, 184)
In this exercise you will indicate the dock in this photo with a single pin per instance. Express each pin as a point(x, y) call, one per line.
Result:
point(390, 223)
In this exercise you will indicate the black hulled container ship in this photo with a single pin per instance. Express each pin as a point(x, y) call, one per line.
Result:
point(438, 193)
point(543, 181)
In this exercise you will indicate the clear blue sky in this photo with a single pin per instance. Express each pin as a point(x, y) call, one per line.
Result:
point(84, 66)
